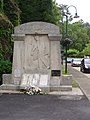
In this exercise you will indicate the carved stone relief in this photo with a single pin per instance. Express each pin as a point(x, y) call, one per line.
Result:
point(37, 52)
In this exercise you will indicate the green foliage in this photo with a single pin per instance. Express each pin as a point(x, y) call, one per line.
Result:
point(56, 14)
point(75, 84)
point(8, 19)
point(1, 6)
point(86, 50)
point(78, 35)
point(1, 57)
point(5, 51)
point(72, 52)
point(5, 67)
point(5, 22)
point(12, 11)
point(88, 32)
point(41, 10)
point(6, 43)
point(63, 70)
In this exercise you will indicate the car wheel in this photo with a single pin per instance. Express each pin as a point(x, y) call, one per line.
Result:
point(83, 70)
point(80, 69)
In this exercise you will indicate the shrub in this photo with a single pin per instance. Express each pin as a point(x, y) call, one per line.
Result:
point(5, 68)
point(72, 52)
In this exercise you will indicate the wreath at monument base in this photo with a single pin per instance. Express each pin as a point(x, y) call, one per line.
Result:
point(33, 90)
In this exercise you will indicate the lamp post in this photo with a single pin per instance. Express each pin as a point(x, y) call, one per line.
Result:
point(67, 40)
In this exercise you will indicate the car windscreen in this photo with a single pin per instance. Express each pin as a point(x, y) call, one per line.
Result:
point(87, 61)
point(77, 60)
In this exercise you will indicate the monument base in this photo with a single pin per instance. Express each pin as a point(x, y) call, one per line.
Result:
point(44, 89)
point(43, 81)
point(9, 87)
point(61, 88)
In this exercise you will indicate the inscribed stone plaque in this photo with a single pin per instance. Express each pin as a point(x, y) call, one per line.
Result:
point(29, 79)
point(35, 79)
point(56, 73)
point(43, 80)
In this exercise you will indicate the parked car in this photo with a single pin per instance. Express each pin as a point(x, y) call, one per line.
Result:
point(69, 59)
point(76, 62)
point(85, 65)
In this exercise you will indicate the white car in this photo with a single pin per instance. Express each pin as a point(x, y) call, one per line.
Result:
point(76, 62)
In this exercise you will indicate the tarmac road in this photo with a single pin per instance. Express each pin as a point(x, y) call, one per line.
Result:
point(43, 107)
point(78, 68)
point(82, 79)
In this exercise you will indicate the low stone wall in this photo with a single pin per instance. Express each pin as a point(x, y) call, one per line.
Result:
point(7, 78)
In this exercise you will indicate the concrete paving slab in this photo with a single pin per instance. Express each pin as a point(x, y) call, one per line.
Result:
point(82, 80)
point(75, 91)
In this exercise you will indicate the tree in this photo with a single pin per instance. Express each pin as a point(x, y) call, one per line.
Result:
point(12, 11)
point(1, 6)
point(78, 34)
point(86, 50)
point(8, 19)
point(88, 32)
point(72, 52)
point(41, 10)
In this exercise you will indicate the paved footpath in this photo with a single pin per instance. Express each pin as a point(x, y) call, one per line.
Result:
point(82, 80)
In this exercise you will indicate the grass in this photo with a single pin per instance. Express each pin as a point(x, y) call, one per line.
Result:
point(75, 84)
point(63, 71)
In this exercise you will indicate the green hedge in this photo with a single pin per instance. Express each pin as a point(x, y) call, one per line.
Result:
point(5, 68)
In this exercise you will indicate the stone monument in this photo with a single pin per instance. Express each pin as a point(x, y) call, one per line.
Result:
point(36, 57)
